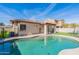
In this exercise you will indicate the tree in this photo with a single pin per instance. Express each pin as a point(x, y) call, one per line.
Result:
point(2, 24)
point(74, 27)
point(3, 32)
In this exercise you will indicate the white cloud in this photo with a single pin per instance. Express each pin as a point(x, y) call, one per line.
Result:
point(48, 9)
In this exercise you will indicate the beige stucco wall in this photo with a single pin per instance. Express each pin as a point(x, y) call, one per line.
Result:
point(9, 29)
point(31, 28)
point(60, 23)
point(15, 27)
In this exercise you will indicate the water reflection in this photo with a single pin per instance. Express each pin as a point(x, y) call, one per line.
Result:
point(45, 40)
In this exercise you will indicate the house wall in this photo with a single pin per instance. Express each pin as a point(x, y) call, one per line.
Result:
point(15, 27)
point(59, 23)
point(9, 29)
point(31, 28)
point(6, 28)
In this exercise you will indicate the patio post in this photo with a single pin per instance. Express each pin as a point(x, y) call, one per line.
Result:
point(45, 29)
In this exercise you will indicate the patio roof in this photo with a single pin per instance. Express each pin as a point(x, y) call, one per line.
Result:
point(25, 21)
point(50, 22)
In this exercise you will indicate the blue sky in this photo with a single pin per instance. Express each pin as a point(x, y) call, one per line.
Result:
point(39, 12)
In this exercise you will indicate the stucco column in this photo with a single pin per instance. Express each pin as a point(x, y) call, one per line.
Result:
point(45, 29)
point(55, 29)
point(18, 29)
point(14, 28)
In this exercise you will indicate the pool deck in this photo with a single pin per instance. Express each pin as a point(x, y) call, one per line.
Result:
point(74, 51)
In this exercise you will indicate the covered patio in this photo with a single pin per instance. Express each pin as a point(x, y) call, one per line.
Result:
point(49, 27)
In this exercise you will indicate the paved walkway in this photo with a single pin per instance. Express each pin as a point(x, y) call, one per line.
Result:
point(74, 51)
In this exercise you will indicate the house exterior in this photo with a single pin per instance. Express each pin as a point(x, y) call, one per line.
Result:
point(49, 26)
point(59, 24)
point(28, 27)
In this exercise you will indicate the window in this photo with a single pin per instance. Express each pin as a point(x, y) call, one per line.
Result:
point(57, 26)
point(22, 27)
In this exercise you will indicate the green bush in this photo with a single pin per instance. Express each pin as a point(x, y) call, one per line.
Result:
point(0, 35)
point(4, 34)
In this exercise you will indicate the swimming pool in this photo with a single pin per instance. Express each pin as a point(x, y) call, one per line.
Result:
point(50, 45)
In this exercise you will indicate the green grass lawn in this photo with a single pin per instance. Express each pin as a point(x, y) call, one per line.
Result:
point(68, 34)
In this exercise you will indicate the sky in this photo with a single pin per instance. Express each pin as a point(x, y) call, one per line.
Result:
point(69, 12)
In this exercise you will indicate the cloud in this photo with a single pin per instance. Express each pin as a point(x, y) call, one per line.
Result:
point(12, 12)
point(60, 11)
point(7, 14)
point(30, 13)
point(47, 10)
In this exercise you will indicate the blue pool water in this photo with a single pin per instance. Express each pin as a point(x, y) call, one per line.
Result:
point(7, 48)
point(50, 45)
point(38, 46)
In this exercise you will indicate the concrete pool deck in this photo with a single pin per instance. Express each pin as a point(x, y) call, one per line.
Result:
point(74, 51)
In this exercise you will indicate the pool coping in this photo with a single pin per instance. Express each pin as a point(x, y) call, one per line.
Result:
point(35, 35)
